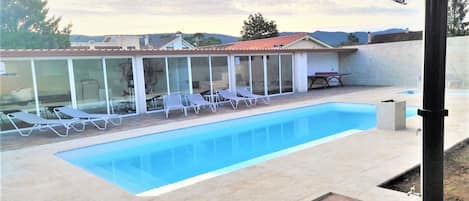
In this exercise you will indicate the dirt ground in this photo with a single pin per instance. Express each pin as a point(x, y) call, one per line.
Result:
point(456, 181)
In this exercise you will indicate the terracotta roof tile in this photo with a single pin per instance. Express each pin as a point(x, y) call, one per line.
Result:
point(275, 42)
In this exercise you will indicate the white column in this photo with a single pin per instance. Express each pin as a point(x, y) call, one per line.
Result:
point(300, 75)
point(232, 73)
point(36, 96)
point(264, 58)
point(106, 88)
point(71, 77)
point(139, 83)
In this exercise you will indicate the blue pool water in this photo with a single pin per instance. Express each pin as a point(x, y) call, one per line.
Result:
point(455, 92)
point(153, 161)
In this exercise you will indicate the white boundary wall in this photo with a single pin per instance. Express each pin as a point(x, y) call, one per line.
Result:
point(401, 63)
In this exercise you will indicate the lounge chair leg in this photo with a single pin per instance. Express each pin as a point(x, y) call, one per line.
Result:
point(97, 125)
point(67, 128)
point(167, 113)
point(18, 129)
point(185, 112)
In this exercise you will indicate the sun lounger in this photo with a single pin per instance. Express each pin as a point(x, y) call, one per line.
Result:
point(173, 102)
point(233, 98)
point(39, 122)
point(197, 101)
point(246, 93)
point(114, 119)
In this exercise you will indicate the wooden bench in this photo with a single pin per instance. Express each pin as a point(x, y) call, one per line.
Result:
point(327, 77)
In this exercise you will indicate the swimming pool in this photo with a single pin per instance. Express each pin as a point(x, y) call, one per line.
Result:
point(158, 163)
point(451, 92)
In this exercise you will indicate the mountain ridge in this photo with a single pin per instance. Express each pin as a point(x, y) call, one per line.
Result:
point(333, 38)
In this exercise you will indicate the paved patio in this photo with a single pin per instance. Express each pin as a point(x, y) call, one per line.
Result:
point(351, 166)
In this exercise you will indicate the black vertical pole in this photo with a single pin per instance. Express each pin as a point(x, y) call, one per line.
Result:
point(433, 111)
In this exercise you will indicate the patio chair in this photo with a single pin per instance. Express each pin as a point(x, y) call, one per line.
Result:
point(39, 122)
point(233, 98)
point(173, 102)
point(114, 119)
point(197, 101)
point(248, 94)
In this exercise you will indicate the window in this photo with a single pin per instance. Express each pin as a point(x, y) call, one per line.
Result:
point(242, 72)
point(178, 75)
point(220, 73)
point(257, 73)
point(53, 86)
point(16, 91)
point(287, 73)
point(200, 75)
point(89, 85)
point(273, 82)
point(120, 85)
point(154, 70)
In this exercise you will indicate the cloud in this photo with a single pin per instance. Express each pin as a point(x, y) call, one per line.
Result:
point(88, 16)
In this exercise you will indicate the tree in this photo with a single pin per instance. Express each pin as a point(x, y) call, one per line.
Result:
point(199, 39)
point(24, 24)
point(457, 10)
point(351, 40)
point(257, 27)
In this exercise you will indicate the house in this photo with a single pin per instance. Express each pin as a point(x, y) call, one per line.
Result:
point(321, 61)
point(395, 37)
point(110, 42)
point(294, 41)
point(172, 42)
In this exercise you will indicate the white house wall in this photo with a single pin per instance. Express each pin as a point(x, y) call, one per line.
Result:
point(323, 62)
point(300, 72)
point(401, 63)
point(304, 44)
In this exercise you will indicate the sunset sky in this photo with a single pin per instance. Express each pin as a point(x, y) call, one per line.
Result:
point(95, 17)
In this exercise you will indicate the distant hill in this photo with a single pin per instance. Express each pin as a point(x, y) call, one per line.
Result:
point(224, 38)
point(331, 38)
point(337, 37)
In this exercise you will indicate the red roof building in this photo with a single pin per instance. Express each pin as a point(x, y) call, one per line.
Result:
point(300, 40)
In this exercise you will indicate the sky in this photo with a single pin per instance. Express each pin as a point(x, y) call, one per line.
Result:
point(98, 17)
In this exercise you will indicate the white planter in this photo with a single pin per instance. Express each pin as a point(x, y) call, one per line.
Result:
point(390, 115)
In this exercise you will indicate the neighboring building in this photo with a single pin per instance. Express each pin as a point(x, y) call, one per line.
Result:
point(395, 37)
point(294, 41)
point(110, 42)
point(135, 42)
point(174, 42)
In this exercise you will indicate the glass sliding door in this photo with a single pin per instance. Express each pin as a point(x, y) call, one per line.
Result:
point(273, 71)
point(220, 73)
point(53, 85)
point(257, 73)
point(120, 81)
point(200, 75)
point(287, 73)
point(89, 85)
point(178, 75)
point(242, 72)
point(16, 91)
point(154, 70)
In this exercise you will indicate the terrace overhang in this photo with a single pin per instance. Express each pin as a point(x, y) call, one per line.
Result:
point(114, 52)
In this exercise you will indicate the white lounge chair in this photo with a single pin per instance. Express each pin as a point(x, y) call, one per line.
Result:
point(39, 122)
point(173, 102)
point(233, 98)
point(245, 92)
point(197, 101)
point(114, 119)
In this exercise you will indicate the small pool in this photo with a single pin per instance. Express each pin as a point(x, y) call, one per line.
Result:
point(452, 92)
point(160, 162)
